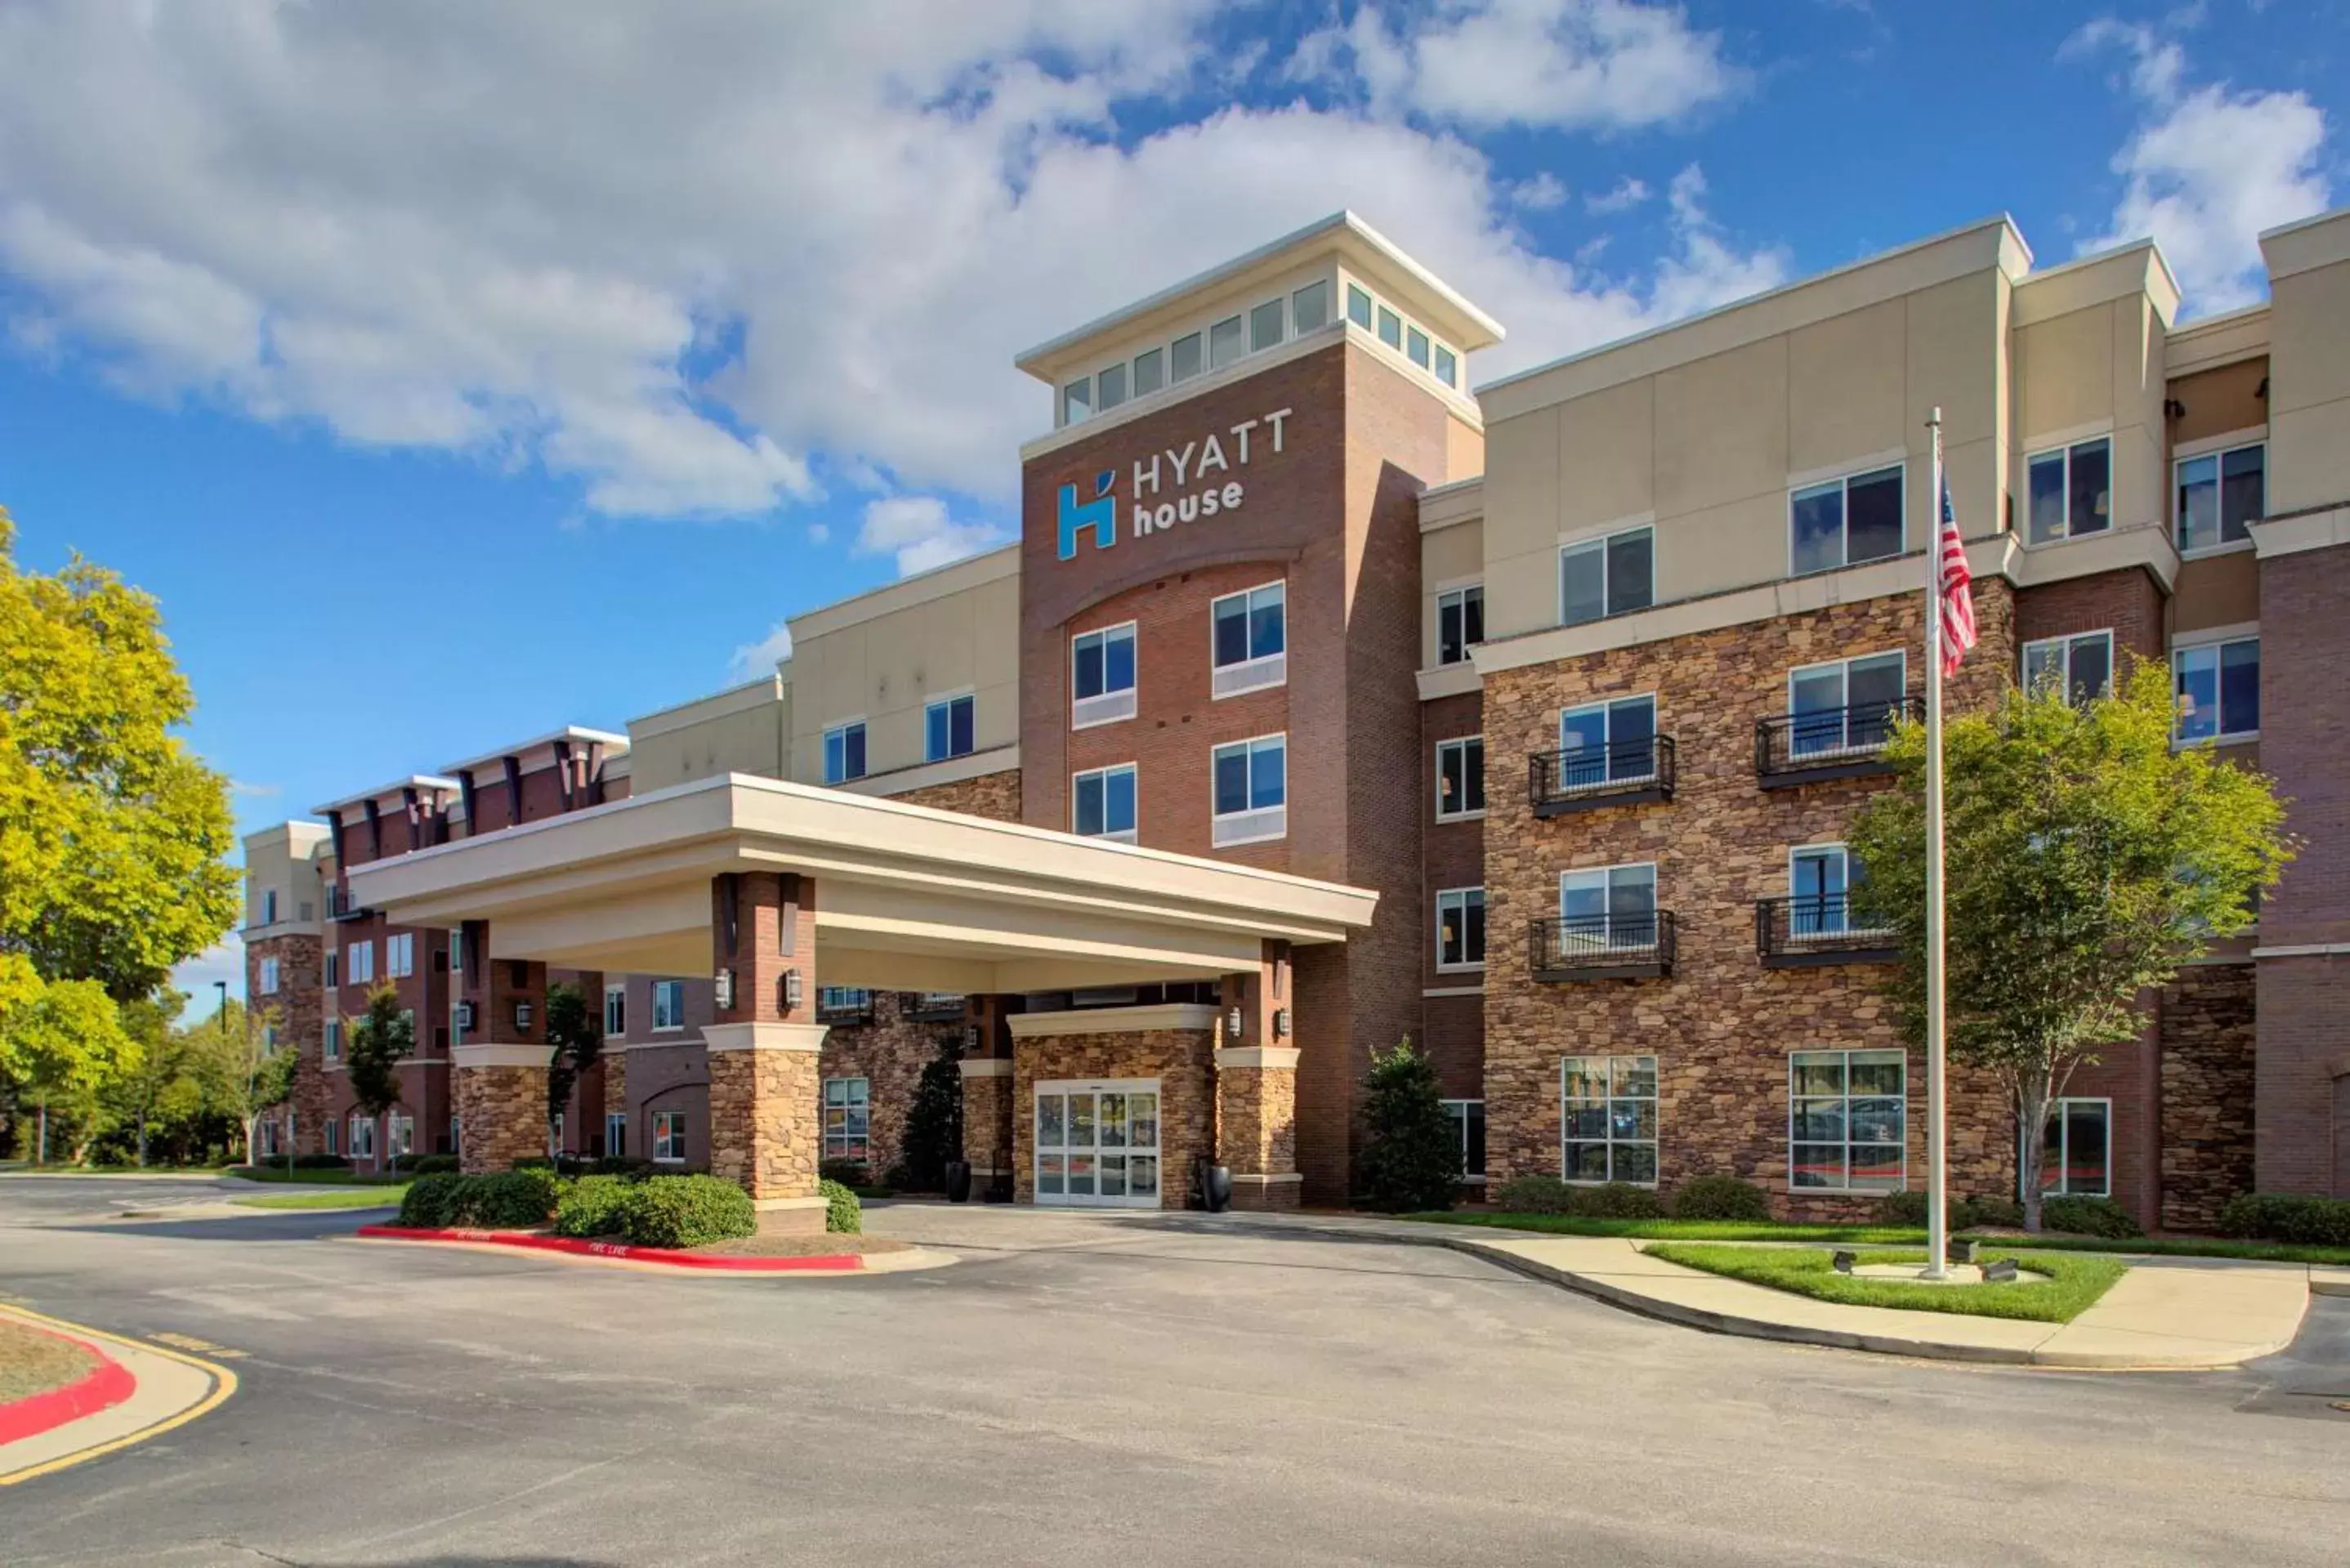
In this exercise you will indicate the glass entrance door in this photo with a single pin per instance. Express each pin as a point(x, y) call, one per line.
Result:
point(1098, 1143)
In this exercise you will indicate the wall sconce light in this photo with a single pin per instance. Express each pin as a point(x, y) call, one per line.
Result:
point(522, 1016)
point(464, 1016)
point(970, 1039)
point(1233, 1025)
point(791, 992)
point(1281, 1023)
point(722, 987)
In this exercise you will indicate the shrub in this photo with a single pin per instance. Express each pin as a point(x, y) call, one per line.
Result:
point(318, 1162)
point(2288, 1217)
point(2000, 1213)
point(424, 1163)
point(536, 1162)
point(1720, 1198)
point(620, 1165)
point(1618, 1200)
point(847, 1172)
point(594, 1206)
point(1549, 1195)
point(431, 1201)
point(1411, 1156)
point(688, 1212)
point(843, 1214)
point(510, 1200)
point(2088, 1217)
point(1533, 1194)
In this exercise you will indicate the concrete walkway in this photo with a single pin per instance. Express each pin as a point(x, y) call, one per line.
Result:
point(173, 1389)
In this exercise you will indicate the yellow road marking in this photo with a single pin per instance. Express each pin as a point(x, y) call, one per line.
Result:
point(204, 1346)
point(223, 1384)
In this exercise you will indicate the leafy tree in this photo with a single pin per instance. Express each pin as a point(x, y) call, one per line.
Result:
point(575, 1045)
point(1411, 1156)
point(241, 1072)
point(379, 1039)
point(2086, 861)
point(113, 838)
point(160, 1087)
point(934, 1121)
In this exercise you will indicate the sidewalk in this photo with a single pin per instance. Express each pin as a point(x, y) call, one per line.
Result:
point(172, 1389)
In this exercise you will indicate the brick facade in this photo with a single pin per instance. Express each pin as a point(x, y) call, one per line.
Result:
point(995, 795)
point(1178, 1058)
point(2206, 1038)
point(1721, 1026)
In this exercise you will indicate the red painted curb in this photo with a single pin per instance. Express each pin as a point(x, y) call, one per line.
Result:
point(108, 1384)
point(670, 1257)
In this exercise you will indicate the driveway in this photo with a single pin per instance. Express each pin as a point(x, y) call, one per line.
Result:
point(1099, 1391)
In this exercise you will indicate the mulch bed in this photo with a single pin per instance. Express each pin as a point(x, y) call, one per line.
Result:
point(33, 1362)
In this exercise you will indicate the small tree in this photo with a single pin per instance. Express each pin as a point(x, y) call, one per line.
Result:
point(573, 1045)
point(242, 1073)
point(141, 1096)
point(934, 1121)
point(379, 1038)
point(2086, 861)
point(1411, 1156)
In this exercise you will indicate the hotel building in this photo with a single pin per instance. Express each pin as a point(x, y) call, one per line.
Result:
point(1322, 702)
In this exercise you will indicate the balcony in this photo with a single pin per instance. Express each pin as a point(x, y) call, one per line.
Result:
point(936, 1007)
point(1624, 772)
point(842, 1006)
point(1792, 749)
point(341, 905)
point(1818, 928)
point(1571, 947)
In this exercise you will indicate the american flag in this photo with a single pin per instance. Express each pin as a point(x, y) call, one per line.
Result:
point(1957, 613)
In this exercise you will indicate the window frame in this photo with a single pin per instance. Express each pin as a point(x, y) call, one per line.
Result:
point(362, 1124)
point(1462, 899)
point(1356, 294)
point(2217, 456)
point(2217, 647)
point(330, 1041)
point(399, 955)
point(1296, 317)
point(1602, 542)
point(1104, 710)
point(1103, 400)
point(1846, 1097)
point(675, 987)
point(861, 1099)
point(1238, 322)
point(615, 1135)
point(1655, 1098)
point(615, 1018)
point(2063, 643)
point(948, 702)
point(267, 979)
point(1462, 743)
point(668, 1132)
point(359, 961)
point(1605, 707)
point(1458, 599)
point(1128, 835)
point(1475, 1178)
point(1608, 889)
point(1843, 483)
point(1846, 746)
point(1279, 306)
point(1217, 820)
point(2059, 1110)
point(1176, 374)
point(2063, 456)
point(841, 732)
point(1076, 402)
point(1258, 671)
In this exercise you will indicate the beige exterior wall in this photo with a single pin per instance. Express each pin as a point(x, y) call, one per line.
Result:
point(1451, 557)
point(743, 731)
point(2093, 371)
point(2309, 386)
point(285, 859)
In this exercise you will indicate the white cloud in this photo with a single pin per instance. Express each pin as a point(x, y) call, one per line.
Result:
point(754, 659)
point(1573, 63)
point(1627, 194)
point(225, 960)
point(820, 533)
point(254, 791)
point(1540, 194)
point(686, 268)
point(918, 531)
point(2208, 167)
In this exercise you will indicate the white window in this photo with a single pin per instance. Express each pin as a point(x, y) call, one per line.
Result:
point(1250, 639)
point(1607, 1118)
point(2220, 495)
point(849, 1001)
point(1848, 1120)
point(1077, 399)
point(668, 1005)
point(403, 1135)
point(2081, 667)
point(1223, 342)
point(615, 1134)
point(334, 967)
point(1605, 744)
point(1468, 1119)
point(1446, 369)
point(1101, 676)
point(1264, 326)
point(1607, 907)
point(947, 728)
point(1309, 307)
point(334, 1131)
point(1460, 928)
point(1416, 347)
point(848, 1118)
point(1612, 574)
point(1358, 307)
point(269, 908)
point(2077, 1160)
point(333, 1048)
point(2071, 490)
point(362, 1136)
point(1150, 371)
point(615, 1013)
point(1390, 328)
point(1183, 358)
point(844, 753)
point(359, 959)
point(1102, 804)
point(1460, 778)
point(668, 1137)
point(1845, 522)
point(2219, 689)
point(400, 955)
point(1459, 623)
point(1251, 780)
point(1821, 878)
point(1845, 704)
point(1109, 387)
point(269, 977)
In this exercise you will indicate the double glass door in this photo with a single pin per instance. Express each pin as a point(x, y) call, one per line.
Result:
point(1098, 1143)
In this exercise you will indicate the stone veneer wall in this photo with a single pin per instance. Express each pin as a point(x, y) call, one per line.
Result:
point(616, 1101)
point(1178, 1058)
point(987, 1122)
point(1256, 1128)
point(502, 1117)
point(2207, 1093)
point(300, 1004)
point(890, 1053)
point(995, 795)
point(764, 1130)
point(1721, 1026)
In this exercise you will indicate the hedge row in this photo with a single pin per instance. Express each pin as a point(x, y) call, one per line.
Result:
point(2285, 1217)
point(644, 1210)
point(1701, 1198)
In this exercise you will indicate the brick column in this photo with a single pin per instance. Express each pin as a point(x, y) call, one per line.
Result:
point(501, 1061)
point(765, 1126)
point(987, 1108)
point(1256, 1085)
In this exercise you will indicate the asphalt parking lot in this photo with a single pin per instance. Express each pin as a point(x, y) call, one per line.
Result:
point(1100, 1391)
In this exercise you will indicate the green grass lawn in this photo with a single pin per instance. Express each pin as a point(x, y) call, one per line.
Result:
point(329, 1177)
point(1880, 1236)
point(2073, 1285)
point(366, 1197)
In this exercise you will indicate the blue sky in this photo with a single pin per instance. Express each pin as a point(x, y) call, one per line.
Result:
point(453, 372)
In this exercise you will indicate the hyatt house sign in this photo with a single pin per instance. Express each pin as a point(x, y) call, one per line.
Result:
point(1200, 480)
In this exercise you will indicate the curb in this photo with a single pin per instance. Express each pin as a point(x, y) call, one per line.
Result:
point(104, 1387)
point(620, 1252)
point(109, 1424)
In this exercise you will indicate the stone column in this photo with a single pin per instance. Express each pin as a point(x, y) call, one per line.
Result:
point(766, 1131)
point(501, 1061)
point(1256, 1085)
point(616, 1097)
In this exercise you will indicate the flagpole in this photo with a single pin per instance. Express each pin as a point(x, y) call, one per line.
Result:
point(1938, 1234)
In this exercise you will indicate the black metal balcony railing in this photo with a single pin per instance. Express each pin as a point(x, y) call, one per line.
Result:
point(1623, 773)
point(1818, 928)
point(1601, 946)
point(937, 1006)
point(341, 905)
point(1829, 742)
point(851, 1008)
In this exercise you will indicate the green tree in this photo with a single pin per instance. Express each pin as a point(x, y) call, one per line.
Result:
point(934, 1120)
point(242, 1072)
point(574, 1044)
point(2086, 861)
point(113, 838)
point(160, 1087)
point(1411, 1153)
point(381, 1038)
